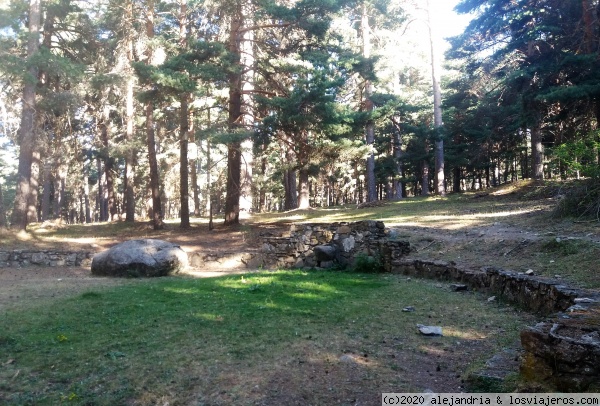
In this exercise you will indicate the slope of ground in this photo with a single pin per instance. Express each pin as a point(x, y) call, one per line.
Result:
point(510, 228)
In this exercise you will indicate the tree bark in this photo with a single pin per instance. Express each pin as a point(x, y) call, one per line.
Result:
point(537, 153)
point(368, 106)
point(183, 163)
point(289, 184)
point(235, 119)
point(47, 176)
point(437, 111)
point(397, 145)
point(128, 184)
point(111, 204)
point(456, 179)
point(3, 221)
point(157, 215)
point(425, 178)
point(27, 134)
point(247, 110)
point(34, 183)
point(303, 194)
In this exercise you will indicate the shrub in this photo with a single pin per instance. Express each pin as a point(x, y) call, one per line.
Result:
point(364, 263)
point(582, 200)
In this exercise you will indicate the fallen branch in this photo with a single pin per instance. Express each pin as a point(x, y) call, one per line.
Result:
point(429, 245)
point(517, 246)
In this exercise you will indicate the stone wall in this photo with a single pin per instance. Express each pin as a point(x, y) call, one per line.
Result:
point(24, 258)
point(329, 245)
point(563, 351)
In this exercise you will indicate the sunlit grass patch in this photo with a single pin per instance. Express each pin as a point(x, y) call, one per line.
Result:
point(176, 340)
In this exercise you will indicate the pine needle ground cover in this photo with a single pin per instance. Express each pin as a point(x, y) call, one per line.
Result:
point(285, 337)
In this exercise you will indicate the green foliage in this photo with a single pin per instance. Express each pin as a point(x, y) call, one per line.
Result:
point(364, 263)
point(579, 156)
point(563, 247)
point(580, 200)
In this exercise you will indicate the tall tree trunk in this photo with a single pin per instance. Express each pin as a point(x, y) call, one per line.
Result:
point(45, 82)
point(588, 20)
point(128, 184)
point(247, 109)
point(34, 183)
point(397, 142)
point(183, 163)
point(235, 119)
point(262, 198)
point(368, 106)
point(289, 184)
point(184, 130)
point(3, 222)
point(27, 133)
point(456, 179)
point(537, 153)
point(425, 178)
point(47, 176)
point(303, 194)
point(157, 215)
point(232, 200)
point(111, 203)
point(195, 187)
point(86, 197)
point(437, 111)
point(208, 182)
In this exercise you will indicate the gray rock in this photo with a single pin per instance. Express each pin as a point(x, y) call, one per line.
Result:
point(325, 252)
point(140, 258)
point(458, 287)
point(348, 243)
point(326, 264)
point(348, 359)
point(408, 309)
point(429, 330)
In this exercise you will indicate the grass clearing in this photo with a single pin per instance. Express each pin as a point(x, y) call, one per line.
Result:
point(263, 337)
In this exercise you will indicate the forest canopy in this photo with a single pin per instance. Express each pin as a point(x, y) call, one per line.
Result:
point(151, 109)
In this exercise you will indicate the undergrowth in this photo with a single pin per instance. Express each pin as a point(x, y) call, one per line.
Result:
point(580, 200)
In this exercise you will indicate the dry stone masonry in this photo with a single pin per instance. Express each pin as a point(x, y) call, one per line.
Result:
point(329, 245)
point(564, 350)
point(25, 258)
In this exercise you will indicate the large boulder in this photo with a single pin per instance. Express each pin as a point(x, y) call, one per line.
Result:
point(136, 258)
point(325, 255)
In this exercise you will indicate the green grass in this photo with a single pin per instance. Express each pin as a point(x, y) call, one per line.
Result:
point(197, 341)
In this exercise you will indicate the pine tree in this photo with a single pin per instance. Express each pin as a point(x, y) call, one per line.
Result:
point(27, 131)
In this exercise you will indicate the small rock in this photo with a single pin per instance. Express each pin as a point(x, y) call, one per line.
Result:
point(530, 272)
point(458, 287)
point(491, 298)
point(348, 359)
point(429, 330)
point(408, 309)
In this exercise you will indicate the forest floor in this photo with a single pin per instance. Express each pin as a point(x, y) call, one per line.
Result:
point(510, 228)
